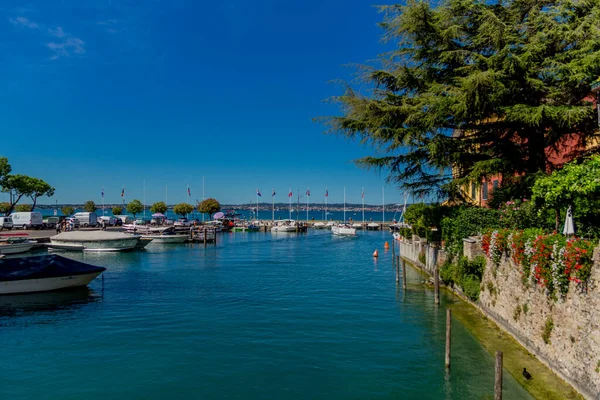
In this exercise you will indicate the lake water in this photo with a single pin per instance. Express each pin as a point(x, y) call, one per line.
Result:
point(259, 316)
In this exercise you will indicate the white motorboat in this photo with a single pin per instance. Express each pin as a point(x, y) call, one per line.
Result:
point(330, 225)
point(44, 273)
point(373, 226)
point(16, 245)
point(343, 230)
point(216, 225)
point(319, 225)
point(357, 225)
point(285, 225)
point(94, 241)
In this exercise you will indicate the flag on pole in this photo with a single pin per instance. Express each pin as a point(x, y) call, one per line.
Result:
point(189, 194)
point(258, 193)
point(123, 192)
point(273, 194)
point(290, 193)
point(326, 193)
point(363, 194)
point(102, 192)
point(307, 192)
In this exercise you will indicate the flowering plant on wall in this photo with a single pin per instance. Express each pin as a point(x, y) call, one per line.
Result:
point(549, 260)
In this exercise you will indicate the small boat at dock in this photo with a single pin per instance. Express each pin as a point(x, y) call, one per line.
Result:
point(285, 225)
point(94, 241)
point(44, 273)
point(16, 245)
point(319, 225)
point(167, 236)
point(343, 229)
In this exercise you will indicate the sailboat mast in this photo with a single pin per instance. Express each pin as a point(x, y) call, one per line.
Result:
point(344, 203)
point(382, 205)
point(363, 201)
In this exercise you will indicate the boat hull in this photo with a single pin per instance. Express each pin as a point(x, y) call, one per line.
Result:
point(91, 245)
point(283, 229)
point(47, 284)
point(343, 231)
point(171, 239)
point(15, 248)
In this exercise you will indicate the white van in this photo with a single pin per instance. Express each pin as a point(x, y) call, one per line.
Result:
point(6, 223)
point(86, 218)
point(27, 220)
point(125, 219)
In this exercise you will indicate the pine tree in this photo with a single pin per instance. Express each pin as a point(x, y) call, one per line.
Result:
point(475, 89)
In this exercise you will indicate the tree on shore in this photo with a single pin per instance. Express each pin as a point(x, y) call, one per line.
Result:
point(21, 185)
point(67, 210)
point(4, 207)
point(183, 209)
point(209, 206)
point(90, 206)
point(23, 208)
point(135, 207)
point(476, 89)
point(117, 210)
point(159, 207)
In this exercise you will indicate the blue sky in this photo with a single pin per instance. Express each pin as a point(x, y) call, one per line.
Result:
point(110, 93)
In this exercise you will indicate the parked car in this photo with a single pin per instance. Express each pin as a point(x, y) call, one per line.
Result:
point(168, 222)
point(6, 223)
point(27, 220)
point(110, 221)
point(74, 221)
point(87, 218)
point(50, 222)
point(182, 222)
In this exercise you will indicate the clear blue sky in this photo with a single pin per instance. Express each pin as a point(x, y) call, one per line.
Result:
point(112, 93)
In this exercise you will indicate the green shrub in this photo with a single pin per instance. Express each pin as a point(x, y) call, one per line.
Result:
point(547, 330)
point(471, 285)
point(525, 308)
point(466, 221)
point(517, 312)
point(447, 272)
point(422, 258)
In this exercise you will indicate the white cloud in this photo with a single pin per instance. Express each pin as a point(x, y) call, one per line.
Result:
point(24, 22)
point(68, 46)
point(58, 32)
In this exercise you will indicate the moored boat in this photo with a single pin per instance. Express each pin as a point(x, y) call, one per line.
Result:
point(357, 225)
point(373, 226)
point(94, 241)
point(319, 225)
point(44, 273)
point(285, 225)
point(16, 245)
point(343, 230)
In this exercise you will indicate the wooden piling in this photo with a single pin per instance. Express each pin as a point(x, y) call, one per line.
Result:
point(397, 269)
point(448, 335)
point(205, 234)
point(436, 284)
point(393, 254)
point(498, 375)
point(403, 274)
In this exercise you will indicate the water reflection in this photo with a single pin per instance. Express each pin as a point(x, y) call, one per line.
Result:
point(56, 301)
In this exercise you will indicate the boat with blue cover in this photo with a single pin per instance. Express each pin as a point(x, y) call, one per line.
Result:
point(44, 273)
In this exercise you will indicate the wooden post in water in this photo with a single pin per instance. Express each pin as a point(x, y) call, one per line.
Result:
point(436, 283)
point(498, 380)
point(403, 274)
point(448, 335)
point(205, 234)
point(393, 254)
point(397, 269)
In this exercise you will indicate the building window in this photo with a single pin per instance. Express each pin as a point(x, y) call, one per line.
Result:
point(484, 191)
point(495, 184)
point(473, 191)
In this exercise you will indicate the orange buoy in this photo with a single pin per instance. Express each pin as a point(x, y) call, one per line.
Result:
point(376, 253)
point(386, 245)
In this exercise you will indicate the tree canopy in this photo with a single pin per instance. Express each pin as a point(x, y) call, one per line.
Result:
point(159, 207)
point(23, 208)
point(22, 185)
point(135, 207)
point(90, 206)
point(475, 89)
point(209, 206)
point(183, 209)
point(67, 210)
point(4, 207)
point(117, 210)
point(576, 185)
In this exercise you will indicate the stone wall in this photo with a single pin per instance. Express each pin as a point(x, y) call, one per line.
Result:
point(573, 351)
point(574, 348)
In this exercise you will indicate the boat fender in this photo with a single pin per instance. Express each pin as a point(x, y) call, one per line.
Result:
point(376, 253)
point(386, 245)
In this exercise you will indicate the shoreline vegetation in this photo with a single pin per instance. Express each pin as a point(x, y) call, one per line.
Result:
point(545, 385)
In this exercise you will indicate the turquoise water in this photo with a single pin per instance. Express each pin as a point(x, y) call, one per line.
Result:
point(259, 316)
